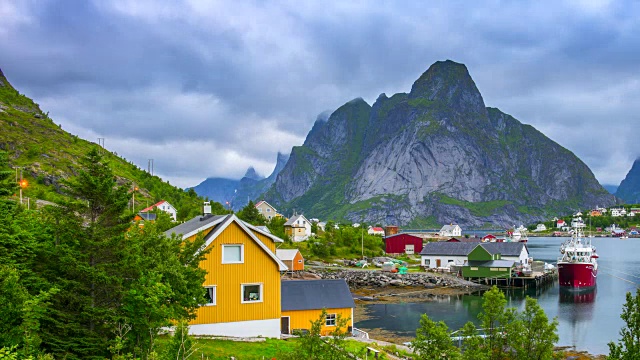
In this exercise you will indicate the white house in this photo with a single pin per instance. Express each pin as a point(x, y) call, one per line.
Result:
point(444, 254)
point(541, 227)
point(266, 210)
point(164, 206)
point(298, 228)
point(560, 224)
point(615, 212)
point(451, 230)
point(356, 225)
point(375, 231)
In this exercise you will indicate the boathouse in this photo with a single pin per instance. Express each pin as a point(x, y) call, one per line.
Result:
point(292, 258)
point(303, 301)
point(485, 264)
point(403, 244)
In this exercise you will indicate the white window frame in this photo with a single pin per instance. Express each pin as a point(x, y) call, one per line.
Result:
point(214, 298)
point(330, 318)
point(241, 254)
point(251, 301)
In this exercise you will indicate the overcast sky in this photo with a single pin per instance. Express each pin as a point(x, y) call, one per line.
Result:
point(209, 88)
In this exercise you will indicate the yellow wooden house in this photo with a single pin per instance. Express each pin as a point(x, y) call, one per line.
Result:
point(242, 286)
point(303, 301)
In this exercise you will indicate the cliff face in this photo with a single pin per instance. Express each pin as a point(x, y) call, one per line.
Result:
point(629, 189)
point(433, 156)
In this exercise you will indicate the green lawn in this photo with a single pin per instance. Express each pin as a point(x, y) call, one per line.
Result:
point(215, 349)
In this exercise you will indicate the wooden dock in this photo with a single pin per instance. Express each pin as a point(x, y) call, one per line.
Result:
point(535, 280)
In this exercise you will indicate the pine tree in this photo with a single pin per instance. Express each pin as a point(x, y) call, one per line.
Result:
point(251, 215)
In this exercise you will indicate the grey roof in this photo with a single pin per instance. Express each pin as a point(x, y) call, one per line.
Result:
point(286, 254)
point(492, 263)
point(147, 216)
point(448, 227)
point(505, 248)
point(448, 248)
point(293, 220)
point(263, 228)
point(195, 224)
point(390, 236)
point(315, 294)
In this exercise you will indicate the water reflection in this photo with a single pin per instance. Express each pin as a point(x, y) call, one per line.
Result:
point(575, 308)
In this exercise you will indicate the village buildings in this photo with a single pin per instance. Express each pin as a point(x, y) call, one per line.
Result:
point(450, 230)
point(298, 228)
point(165, 206)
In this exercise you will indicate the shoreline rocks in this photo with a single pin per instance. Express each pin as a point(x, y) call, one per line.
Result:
point(378, 279)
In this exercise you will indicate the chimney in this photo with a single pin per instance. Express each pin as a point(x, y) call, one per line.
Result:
point(207, 208)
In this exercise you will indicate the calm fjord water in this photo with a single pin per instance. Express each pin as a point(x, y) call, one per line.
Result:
point(587, 320)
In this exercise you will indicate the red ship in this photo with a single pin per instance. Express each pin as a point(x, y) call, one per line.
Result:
point(578, 265)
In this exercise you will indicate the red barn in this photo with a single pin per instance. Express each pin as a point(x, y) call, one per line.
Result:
point(403, 244)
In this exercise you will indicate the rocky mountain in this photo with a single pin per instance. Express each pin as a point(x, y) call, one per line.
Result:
point(435, 155)
point(629, 189)
point(610, 188)
point(45, 154)
point(239, 192)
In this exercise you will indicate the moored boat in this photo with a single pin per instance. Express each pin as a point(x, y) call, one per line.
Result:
point(578, 265)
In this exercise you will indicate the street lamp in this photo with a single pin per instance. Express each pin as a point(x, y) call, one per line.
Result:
point(23, 185)
point(133, 202)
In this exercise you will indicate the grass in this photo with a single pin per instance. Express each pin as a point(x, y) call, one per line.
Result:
point(484, 208)
point(218, 349)
point(215, 349)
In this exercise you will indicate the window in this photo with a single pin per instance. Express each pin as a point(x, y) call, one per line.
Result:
point(427, 262)
point(209, 296)
point(251, 293)
point(232, 254)
point(331, 320)
point(299, 261)
point(268, 210)
point(493, 269)
point(474, 268)
point(503, 269)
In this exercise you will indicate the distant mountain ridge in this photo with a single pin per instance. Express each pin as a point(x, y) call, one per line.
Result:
point(435, 155)
point(237, 193)
point(629, 189)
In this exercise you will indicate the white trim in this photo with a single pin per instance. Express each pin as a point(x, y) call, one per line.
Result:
point(273, 237)
point(335, 319)
point(203, 228)
point(241, 254)
point(215, 295)
point(252, 328)
point(251, 301)
point(212, 236)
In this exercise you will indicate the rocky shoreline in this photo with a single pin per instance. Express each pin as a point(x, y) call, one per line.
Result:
point(357, 279)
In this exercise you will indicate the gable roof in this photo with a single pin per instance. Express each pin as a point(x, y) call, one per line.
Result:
point(195, 225)
point(315, 295)
point(286, 254)
point(409, 235)
point(262, 201)
point(155, 205)
point(293, 220)
point(505, 248)
point(229, 219)
point(449, 227)
point(448, 248)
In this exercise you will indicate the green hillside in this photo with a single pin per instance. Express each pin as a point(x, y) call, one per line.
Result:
point(48, 154)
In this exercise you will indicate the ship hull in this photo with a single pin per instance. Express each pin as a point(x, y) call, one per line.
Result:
point(577, 275)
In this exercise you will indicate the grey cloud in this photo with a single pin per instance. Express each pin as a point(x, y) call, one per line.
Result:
point(226, 77)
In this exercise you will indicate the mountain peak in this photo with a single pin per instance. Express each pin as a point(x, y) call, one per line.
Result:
point(629, 189)
point(252, 174)
point(449, 82)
